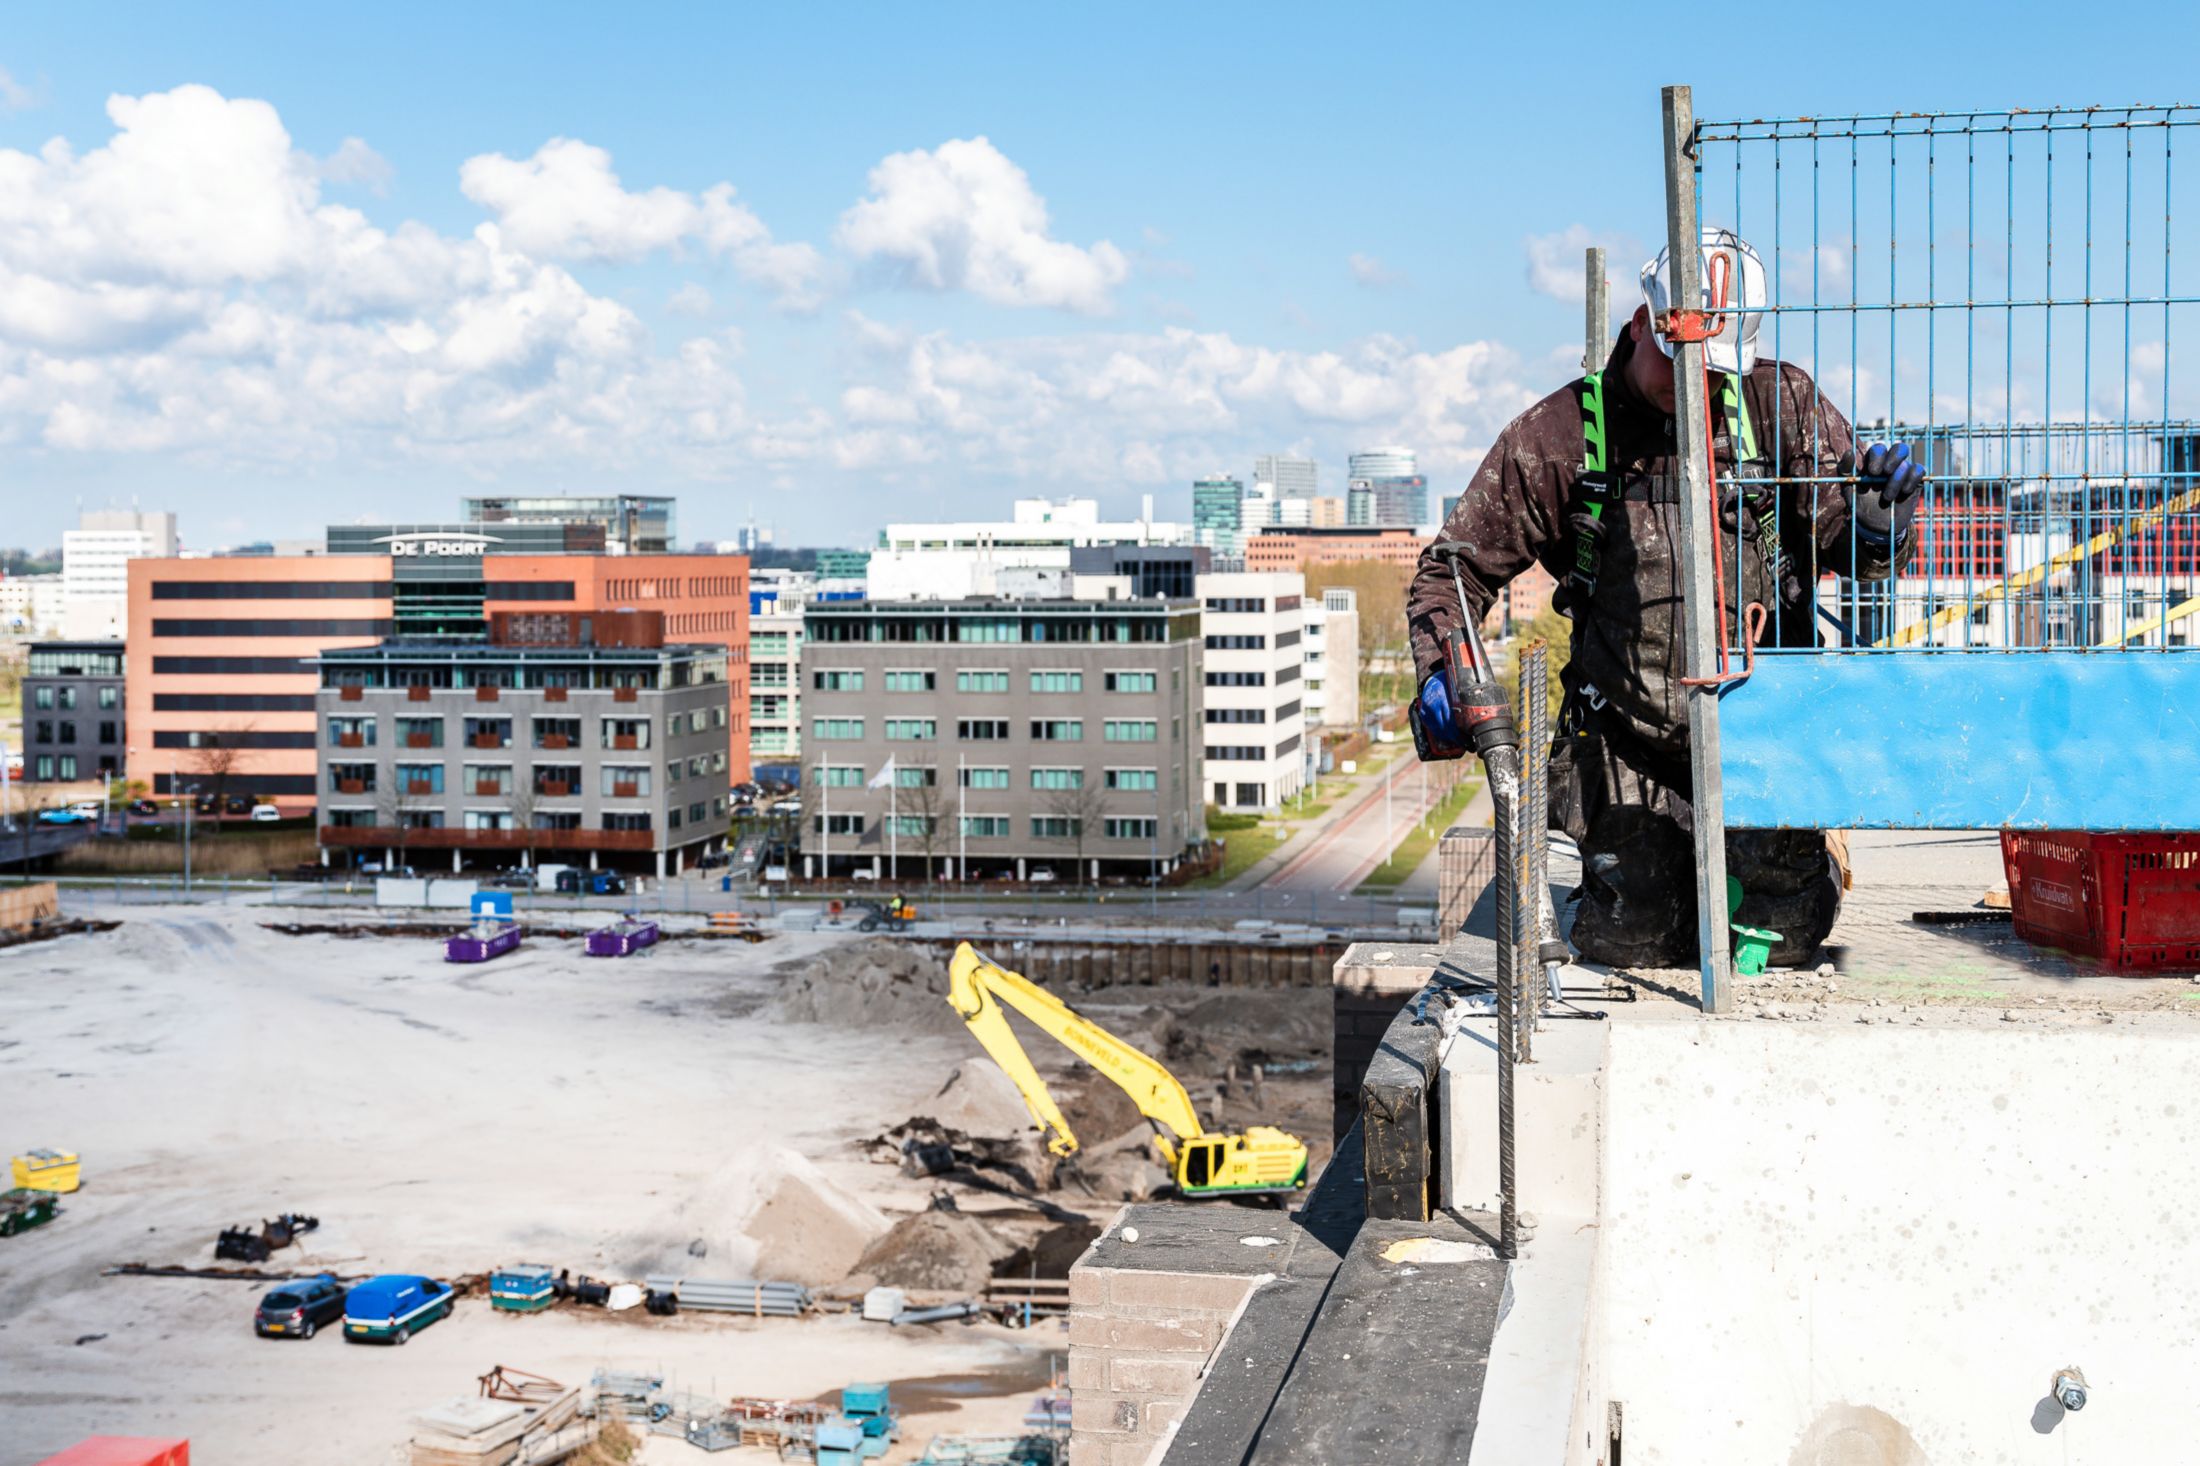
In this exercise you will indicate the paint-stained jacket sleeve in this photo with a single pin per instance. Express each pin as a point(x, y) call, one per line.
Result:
point(1511, 516)
point(1819, 444)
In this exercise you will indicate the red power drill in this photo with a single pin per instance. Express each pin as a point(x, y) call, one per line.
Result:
point(1479, 707)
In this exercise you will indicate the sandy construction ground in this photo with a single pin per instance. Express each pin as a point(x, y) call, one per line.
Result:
point(615, 1117)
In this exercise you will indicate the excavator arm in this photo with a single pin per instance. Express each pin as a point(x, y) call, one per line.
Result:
point(978, 990)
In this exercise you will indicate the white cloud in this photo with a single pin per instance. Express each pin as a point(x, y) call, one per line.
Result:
point(1373, 273)
point(355, 163)
point(1556, 265)
point(16, 97)
point(963, 217)
point(1832, 261)
point(566, 203)
point(690, 299)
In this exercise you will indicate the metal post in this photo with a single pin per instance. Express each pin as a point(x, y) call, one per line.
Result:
point(1699, 589)
point(1596, 337)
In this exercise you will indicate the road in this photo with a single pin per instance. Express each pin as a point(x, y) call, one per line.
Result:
point(1337, 857)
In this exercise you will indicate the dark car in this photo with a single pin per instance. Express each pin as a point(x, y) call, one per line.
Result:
point(297, 1309)
point(515, 879)
point(237, 804)
point(143, 807)
point(204, 804)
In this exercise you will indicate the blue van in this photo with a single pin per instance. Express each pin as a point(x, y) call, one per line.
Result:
point(393, 1307)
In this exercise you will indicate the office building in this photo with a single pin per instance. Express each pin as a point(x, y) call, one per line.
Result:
point(1325, 512)
point(73, 712)
point(1332, 660)
point(1384, 487)
point(1296, 549)
point(1218, 515)
point(843, 564)
point(566, 735)
point(1253, 710)
point(949, 561)
point(1149, 572)
point(1021, 734)
point(613, 524)
point(776, 604)
point(220, 649)
point(1294, 478)
point(95, 556)
point(31, 606)
point(1262, 508)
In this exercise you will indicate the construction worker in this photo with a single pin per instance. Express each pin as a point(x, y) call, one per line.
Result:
point(1586, 483)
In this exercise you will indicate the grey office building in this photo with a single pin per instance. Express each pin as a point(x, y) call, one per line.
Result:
point(567, 737)
point(72, 712)
point(1002, 736)
point(628, 524)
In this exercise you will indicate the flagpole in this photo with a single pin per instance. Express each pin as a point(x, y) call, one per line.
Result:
point(893, 825)
point(824, 820)
point(962, 826)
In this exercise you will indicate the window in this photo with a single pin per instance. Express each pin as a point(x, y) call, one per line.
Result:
point(420, 778)
point(982, 730)
point(698, 812)
point(1234, 753)
point(985, 778)
point(68, 731)
point(68, 767)
point(637, 821)
point(1129, 682)
point(1057, 778)
point(1237, 679)
point(1055, 827)
point(1286, 638)
point(837, 824)
point(44, 732)
point(420, 819)
point(1132, 780)
point(557, 732)
point(1058, 730)
point(918, 777)
point(1133, 828)
point(842, 776)
point(837, 681)
point(1288, 674)
point(911, 730)
point(350, 819)
point(1252, 794)
point(488, 732)
point(68, 699)
point(970, 681)
point(351, 732)
point(830, 728)
point(672, 819)
point(916, 826)
point(1288, 711)
point(419, 732)
point(1237, 715)
point(1251, 643)
point(625, 733)
point(1237, 605)
point(43, 697)
point(109, 699)
point(44, 767)
point(488, 819)
point(1057, 682)
point(986, 826)
point(107, 730)
point(557, 781)
point(910, 681)
point(1287, 603)
point(556, 819)
point(351, 778)
point(987, 631)
point(489, 781)
point(625, 781)
point(1130, 730)
point(673, 773)
point(1289, 745)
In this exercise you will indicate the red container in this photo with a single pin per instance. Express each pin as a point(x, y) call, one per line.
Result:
point(2132, 901)
point(121, 1450)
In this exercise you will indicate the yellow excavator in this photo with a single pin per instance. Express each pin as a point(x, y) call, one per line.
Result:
point(1262, 1159)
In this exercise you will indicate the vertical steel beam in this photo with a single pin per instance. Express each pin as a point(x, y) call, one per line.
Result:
point(1596, 339)
point(1699, 604)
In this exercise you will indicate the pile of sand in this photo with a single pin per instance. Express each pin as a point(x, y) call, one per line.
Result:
point(1250, 1027)
point(936, 1252)
point(805, 1228)
point(1051, 1253)
point(980, 1101)
point(881, 982)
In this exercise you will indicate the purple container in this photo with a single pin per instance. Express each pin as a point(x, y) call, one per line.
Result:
point(621, 938)
point(486, 940)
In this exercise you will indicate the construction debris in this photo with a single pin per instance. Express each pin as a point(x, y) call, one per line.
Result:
point(243, 1244)
point(494, 1430)
point(758, 1300)
point(935, 1252)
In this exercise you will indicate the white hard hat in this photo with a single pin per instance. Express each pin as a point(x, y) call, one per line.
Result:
point(1733, 285)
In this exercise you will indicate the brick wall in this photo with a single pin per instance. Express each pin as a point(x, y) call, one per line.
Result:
point(1139, 1343)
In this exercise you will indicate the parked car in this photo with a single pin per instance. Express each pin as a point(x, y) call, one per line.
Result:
point(59, 817)
point(574, 881)
point(787, 806)
point(1041, 877)
point(518, 878)
point(142, 807)
point(265, 814)
point(204, 804)
point(87, 809)
point(237, 804)
point(377, 868)
point(862, 873)
point(297, 1309)
point(393, 1307)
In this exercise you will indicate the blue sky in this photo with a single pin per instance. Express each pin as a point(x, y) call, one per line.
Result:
point(1148, 269)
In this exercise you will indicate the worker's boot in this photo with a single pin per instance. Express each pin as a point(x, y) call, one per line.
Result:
point(1638, 892)
point(1790, 884)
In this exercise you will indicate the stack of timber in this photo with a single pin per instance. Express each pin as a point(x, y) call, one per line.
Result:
point(482, 1432)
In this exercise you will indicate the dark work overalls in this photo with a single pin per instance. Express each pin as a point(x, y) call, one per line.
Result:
point(1620, 776)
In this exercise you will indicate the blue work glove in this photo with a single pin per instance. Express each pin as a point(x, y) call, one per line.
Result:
point(1889, 484)
point(1436, 715)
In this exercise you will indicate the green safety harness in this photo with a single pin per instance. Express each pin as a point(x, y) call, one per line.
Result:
point(1596, 487)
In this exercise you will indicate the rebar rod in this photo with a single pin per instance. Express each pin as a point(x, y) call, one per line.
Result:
point(1503, 767)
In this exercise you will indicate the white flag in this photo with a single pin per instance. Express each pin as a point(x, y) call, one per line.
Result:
point(884, 776)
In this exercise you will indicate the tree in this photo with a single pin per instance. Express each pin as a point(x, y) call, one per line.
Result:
point(1081, 806)
point(395, 806)
point(521, 801)
point(922, 801)
point(214, 756)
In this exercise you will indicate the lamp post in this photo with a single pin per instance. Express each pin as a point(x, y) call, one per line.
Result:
point(190, 798)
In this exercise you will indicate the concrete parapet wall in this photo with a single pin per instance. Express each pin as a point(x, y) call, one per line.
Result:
point(22, 905)
point(1368, 985)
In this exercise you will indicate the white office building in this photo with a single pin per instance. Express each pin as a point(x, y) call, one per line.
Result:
point(1331, 663)
point(776, 602)
point(953, 561)
point(1264, 507)
point(1253, 625)
point(30, 607)
point(1294, 478)
point(95, 561)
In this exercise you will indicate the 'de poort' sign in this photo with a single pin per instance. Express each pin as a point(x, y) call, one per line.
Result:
point(440, 542)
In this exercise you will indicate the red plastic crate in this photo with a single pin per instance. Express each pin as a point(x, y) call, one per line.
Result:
point(120, 1450)
point(2132, 901)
